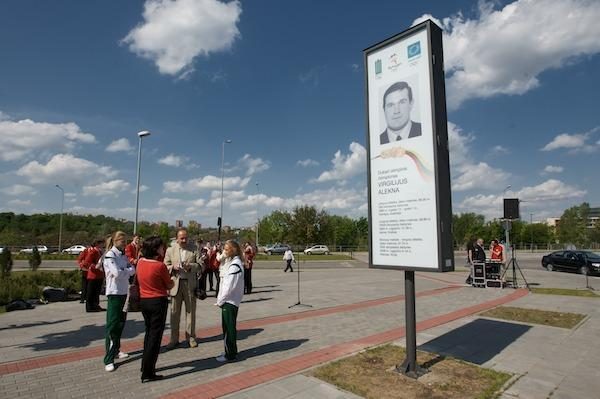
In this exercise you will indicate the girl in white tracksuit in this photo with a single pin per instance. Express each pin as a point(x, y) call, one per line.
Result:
point(230, 296)
point(117, 271)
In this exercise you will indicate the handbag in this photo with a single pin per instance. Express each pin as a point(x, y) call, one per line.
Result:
point(133, 304)
point(199, 292)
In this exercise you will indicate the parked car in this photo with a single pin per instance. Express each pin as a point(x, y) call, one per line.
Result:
point(317, 249)
point(276, 249)
point(74, 250)
point(583, 262)
point(41, 249)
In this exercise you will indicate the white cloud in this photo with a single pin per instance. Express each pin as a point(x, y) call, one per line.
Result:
point(553, 169)
point(544, 199)
point(18, 189)
point(499, 149)
point(172, 160)
point(120, 145)
point(479, 176)
point(551, 189)
point(65, 166)
point(504, 51)
point(18, 202)
point(466, 173)
point(566, 140)
point(22, 139)
point(205, 183)
point(174, 32)
point(346, 166)
point(252, 166)
point(307, 162)
point(107, 189)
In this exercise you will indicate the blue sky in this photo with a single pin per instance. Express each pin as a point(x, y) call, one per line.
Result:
point(284, 81)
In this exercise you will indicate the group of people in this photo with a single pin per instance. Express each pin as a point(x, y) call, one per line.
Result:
point(161, 273)
point(476, 254)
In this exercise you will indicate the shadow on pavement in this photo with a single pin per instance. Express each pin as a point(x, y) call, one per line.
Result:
point(257, 300)
point(195, 366)
point(83, 337)
point(36, 324)
point(478, 341)
point(241, 334)
point(263, 291)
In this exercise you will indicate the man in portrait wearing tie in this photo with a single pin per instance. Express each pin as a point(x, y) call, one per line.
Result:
point(397, 106)
point(181, 260)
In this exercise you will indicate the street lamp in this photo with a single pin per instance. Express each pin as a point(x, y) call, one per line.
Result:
point(220, 221)
point(257, 213)
point(531, 231)
point(506, 222)
point(141, 135)
point(62, 204)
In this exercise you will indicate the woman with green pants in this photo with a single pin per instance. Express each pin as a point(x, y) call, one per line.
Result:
point(117, 271)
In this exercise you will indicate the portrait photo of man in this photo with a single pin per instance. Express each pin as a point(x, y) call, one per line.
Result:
point(397, 106)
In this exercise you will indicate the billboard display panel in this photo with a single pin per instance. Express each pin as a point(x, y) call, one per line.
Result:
point(405, 133)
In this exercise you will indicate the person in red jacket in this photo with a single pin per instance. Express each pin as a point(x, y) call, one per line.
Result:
point(249, 254)
point(132, 250)
point(95, 276)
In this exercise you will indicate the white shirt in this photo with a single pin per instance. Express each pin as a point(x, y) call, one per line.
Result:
point(117, 271)
point(232, 282)
point(402, 133)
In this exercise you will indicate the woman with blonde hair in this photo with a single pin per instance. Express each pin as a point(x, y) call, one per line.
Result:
point(117, 270)
point(229, 297)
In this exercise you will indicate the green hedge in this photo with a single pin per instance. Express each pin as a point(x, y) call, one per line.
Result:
point(29, 285)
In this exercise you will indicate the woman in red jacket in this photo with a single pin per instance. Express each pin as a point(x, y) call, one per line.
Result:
point(95, 276)
point(155, 282)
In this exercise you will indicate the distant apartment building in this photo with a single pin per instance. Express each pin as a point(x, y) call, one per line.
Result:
point(178, 224)
point(592, 221)
point(194, 225)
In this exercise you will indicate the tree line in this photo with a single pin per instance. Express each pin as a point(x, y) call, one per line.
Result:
point(300, 227)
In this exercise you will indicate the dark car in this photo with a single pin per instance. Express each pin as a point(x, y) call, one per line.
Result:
point(583, 262)
point(276, 249)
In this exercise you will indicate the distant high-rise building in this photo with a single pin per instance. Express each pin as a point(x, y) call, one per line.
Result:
point(194, 225)
point(178, 224)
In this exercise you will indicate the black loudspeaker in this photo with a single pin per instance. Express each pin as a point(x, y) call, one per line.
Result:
point(511, 208)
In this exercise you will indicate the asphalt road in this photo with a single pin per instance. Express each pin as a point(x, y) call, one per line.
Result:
point(525, 260)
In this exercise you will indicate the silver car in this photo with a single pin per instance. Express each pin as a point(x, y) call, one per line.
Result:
point(317, 249)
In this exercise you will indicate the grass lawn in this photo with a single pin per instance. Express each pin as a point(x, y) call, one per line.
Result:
point(303, 257)
point(371, 375)
point(535, 316)
point(565, 291)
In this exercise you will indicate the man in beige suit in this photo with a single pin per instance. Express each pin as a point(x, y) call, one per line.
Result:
point(181, 260)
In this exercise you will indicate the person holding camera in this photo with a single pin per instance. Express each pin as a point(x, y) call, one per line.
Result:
point(182, 263)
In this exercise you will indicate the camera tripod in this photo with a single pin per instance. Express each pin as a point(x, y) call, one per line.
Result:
point(514, 265)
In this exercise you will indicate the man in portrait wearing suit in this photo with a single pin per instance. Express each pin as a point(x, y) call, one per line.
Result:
point(397, 105)
point(181, 260)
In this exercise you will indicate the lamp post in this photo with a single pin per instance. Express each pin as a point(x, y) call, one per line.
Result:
point(141, 135)
point(62, 204)
point(257, 213)
point(220, 221)
point(531, 231)
point(506, 222)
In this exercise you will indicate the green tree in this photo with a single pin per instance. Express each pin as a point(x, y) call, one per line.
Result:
point(307, 225)
point(275, 227)
point(466, 226)
point(164, 233)
point(572, 227)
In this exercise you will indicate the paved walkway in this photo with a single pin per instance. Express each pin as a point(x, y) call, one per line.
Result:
point(56, 350)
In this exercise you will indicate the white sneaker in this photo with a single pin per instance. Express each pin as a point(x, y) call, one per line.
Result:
point(122, 355)
point(109, 367)
point(221, 359)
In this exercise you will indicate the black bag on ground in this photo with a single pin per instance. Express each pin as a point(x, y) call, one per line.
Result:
point(52, 294)
point(199, 292)
point(18, 304)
